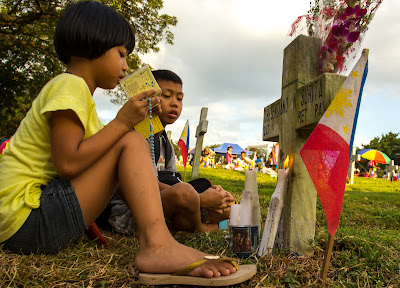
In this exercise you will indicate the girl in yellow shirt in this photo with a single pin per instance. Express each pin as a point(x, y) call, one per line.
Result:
point(62, 167)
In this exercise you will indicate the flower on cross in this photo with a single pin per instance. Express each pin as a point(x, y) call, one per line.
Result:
point(341, 25)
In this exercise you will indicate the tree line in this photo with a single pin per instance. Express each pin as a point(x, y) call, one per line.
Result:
point(28, 59)
point(387, 143)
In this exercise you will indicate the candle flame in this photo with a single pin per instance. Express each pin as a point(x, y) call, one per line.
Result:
point(286, 163)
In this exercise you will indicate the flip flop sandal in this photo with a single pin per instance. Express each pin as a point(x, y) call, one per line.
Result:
point(243, 273)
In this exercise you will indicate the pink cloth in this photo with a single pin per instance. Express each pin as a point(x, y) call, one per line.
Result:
point(228, 157)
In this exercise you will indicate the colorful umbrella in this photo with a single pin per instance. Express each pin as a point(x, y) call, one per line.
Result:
point(374, 155)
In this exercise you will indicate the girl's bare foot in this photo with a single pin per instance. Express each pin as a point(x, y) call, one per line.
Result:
point(171, 257)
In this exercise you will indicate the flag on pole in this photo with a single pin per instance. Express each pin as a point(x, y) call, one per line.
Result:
point(183, 143)
point(326, 153)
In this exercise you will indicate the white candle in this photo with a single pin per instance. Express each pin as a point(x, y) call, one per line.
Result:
point(250, 180)
point(251, 185)
point(245, 208)
point(234, 219)
point(274, 214)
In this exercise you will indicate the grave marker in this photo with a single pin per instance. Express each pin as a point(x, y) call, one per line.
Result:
point(352, 165)
point(200, 131)
point(290, 120)
point(391, 169)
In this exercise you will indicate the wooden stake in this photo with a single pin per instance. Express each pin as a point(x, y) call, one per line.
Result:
point(184, 174)
point(327, 258)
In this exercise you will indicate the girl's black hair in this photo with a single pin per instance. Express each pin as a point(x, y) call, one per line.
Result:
point(167, 75)
point(89, 29)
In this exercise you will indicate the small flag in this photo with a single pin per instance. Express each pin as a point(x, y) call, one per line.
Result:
point(326, 153)
point(183, 143)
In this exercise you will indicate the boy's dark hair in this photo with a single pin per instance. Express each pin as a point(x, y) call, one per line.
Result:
point(167, 75)
point(89, 29)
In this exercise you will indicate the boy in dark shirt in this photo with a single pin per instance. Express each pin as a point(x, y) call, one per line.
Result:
point(184, 208)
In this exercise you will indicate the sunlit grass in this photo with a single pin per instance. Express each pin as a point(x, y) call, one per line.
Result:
point(366, 249)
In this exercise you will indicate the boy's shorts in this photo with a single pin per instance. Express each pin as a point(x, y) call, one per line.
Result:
point(57, 222)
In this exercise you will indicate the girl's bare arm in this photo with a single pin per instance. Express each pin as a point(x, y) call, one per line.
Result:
point(72, 155)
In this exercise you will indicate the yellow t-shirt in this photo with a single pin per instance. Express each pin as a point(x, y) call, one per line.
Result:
point(27, 163)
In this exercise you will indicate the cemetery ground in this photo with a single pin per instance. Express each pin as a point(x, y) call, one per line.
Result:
point(366, 251)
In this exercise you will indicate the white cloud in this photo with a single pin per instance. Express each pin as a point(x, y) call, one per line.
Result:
point(229, 56)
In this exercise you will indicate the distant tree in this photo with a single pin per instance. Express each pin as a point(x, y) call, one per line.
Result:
point(28, 59)
point(388, 144)
point(261, 152)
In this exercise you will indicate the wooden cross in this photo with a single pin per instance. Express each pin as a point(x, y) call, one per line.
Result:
point(290, 120)
point(200, 131)
point(352, 165)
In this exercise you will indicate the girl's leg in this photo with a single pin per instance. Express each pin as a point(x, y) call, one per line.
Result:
point(129, 164)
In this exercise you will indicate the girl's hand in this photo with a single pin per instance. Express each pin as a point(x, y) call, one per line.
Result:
point(136, 108)
point(156, 107)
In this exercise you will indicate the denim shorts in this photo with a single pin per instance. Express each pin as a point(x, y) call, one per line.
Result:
point(57, 222)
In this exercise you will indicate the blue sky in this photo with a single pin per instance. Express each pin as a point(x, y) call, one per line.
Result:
point(229, 56)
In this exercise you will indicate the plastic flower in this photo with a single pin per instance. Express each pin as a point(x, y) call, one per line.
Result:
point(341, 25)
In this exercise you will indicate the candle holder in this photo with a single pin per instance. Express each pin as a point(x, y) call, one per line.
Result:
point(244, 240)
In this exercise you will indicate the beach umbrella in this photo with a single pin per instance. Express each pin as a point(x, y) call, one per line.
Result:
point(4, 146)
point(374, 155)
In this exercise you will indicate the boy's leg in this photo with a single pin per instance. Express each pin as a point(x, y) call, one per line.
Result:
point(129, 164)
point(217, 217)
point(181, 205)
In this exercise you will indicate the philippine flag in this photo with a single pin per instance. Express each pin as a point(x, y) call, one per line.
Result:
point(326, 153)
point(183, 143)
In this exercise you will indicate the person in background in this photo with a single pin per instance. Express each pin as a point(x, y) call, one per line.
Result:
point(246, 160)
point(205, 158)
point(229, 157)
point(275, 156)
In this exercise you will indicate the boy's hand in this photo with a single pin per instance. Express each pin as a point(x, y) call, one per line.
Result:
point(229, 199)
point(137, 107)
point(216, 199)
point(212, 198)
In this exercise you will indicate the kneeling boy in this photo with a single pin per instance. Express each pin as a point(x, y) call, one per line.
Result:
point(184, 208)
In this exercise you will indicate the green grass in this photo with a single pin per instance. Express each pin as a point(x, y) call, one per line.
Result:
point(366, 251)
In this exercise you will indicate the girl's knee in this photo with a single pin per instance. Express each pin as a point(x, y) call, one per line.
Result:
point(135, 140)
